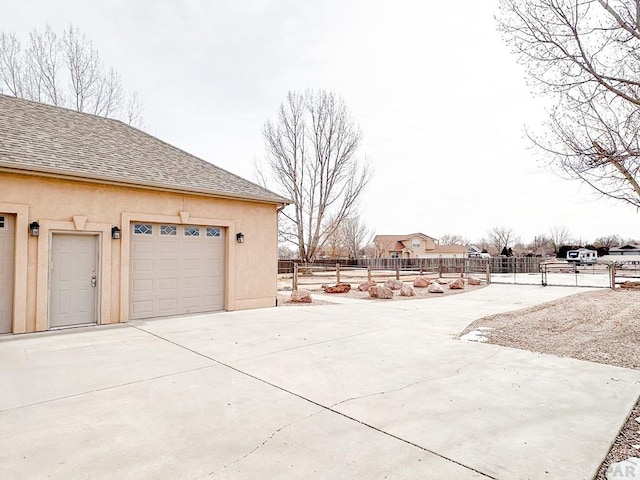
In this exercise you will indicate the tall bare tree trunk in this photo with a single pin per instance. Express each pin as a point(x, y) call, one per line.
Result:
point(311, 158)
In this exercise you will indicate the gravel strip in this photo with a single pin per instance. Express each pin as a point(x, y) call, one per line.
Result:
point(601, 326)
point(285, 301)
point(421, 293)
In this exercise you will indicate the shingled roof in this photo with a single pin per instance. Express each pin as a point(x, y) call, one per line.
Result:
point(40, 138)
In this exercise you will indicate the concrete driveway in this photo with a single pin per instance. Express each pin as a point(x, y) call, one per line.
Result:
point(361, 390)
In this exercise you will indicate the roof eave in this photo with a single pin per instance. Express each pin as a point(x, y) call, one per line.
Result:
point(54, 173)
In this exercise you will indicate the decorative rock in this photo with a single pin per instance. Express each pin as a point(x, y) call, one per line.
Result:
point(474, 281)
point(364, 287)
point(421, 282)
point(441, 281)
point(339, 288)
point(393, 284)
point(630, 285)
point(457, 284)
point(435, 287)
point(380, 292)
point(300, 296)
point(407, 291)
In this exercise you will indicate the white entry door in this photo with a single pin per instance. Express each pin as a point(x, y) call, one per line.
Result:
point(7, 233)
point(73, 280)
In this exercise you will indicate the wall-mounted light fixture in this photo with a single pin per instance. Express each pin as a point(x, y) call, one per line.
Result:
point(115, 233)
point(34, 229)
point(240, 237)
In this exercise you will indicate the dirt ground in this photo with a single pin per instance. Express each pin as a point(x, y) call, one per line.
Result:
point(601, 326)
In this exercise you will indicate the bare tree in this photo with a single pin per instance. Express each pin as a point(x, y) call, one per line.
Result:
point(378, 248)
point(333, 245)
point(12, 76)
point(355, 235)
point(629, 241)
point(65, 71)
point(587, 55)
point(541, 245)
point(285, 253)
point(311, 158)
point(502, 238)
point(43, 67)
point(559, 235)
point(608, 241)
point(453, 239)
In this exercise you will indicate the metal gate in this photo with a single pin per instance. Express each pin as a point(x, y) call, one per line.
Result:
point(596, 275)
point(553, 274)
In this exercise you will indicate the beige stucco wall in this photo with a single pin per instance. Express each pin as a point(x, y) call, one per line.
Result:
point(424, 244)
point(65, 205)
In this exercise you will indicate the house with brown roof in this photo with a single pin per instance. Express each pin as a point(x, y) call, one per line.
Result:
point(102, 223)
point(415, 245)
point(630, 249)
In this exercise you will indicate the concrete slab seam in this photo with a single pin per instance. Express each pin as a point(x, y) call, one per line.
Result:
point(102, 389)
point(425, 380)
point(324, 407)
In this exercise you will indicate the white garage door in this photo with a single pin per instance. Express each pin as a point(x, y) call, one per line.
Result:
point(175, 269)
point(7, 232)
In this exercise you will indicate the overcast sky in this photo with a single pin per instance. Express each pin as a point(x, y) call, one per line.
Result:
point(440, 100)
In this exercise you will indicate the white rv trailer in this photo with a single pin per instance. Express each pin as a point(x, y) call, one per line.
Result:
point(582, 256)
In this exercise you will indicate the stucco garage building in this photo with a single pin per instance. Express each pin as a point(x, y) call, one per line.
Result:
point(87, 180)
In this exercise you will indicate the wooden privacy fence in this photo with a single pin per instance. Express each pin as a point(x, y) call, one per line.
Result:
point(318, 274)
point(519, 270)
point(496, 264)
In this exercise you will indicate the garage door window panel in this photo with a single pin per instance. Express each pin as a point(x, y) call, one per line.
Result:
point(169, 230)
point(191, 231)
point(143, 229)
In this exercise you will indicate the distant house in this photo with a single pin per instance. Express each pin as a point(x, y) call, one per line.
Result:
point(625, 250)
point(627, 254)
point(415, 245)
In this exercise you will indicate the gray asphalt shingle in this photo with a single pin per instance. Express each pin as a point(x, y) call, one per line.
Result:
point(42, 138)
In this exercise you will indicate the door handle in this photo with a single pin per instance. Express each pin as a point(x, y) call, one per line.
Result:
point(94, 281)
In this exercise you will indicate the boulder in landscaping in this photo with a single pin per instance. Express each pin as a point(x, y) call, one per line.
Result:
point(338, 288)
point(380, 292)
point(393, 284)
point(474, 281)
point(421, 282)
point(301, 296)
point(457, 284)
point(364, 287)
point(435, 287)
point(630, 285)
point(407, 291)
